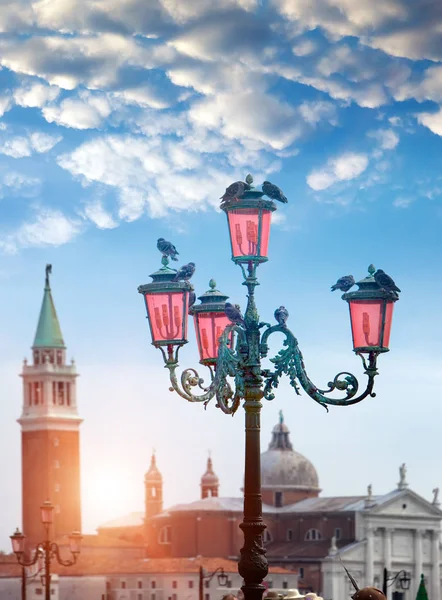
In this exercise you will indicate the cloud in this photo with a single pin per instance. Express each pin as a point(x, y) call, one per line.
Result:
point(341, 168)
point(5, 104)
point(21, 146)
point(34, 94)
point(88, 111)
point(13, 183)
point(95, 212)
point(48, 228)
point(431, 120)
point(387, 138)
point(304, 47)
point(403, 202)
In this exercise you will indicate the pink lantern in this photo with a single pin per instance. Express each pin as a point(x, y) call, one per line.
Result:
point(75, 542)
point(18, 542)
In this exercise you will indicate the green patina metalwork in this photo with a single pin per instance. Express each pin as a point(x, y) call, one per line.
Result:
point(48, 334)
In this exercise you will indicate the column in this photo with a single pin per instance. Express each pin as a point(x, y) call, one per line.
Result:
point(435, 558)
point(369, 556)
point(387, 555)
point(417, 559)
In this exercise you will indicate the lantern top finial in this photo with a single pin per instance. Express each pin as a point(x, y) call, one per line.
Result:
point(371, 269)
point(249, 179)
point(212, 284)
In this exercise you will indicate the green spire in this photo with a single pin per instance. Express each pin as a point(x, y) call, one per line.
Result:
point(422, 592)
point(48, 333)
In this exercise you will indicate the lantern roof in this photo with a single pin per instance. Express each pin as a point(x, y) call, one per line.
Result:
point(164, 280)
point(369, 289)
point(213, 299)
point(48, 334)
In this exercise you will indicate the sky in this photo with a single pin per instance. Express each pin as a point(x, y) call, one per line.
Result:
point(122, 121)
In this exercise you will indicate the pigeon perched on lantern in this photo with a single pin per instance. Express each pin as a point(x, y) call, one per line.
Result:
point(274, 192)
point(167, 248)
point(344, 283)
point(234, 313)
point(234, 190)
point(186, 272)
point(385, 282)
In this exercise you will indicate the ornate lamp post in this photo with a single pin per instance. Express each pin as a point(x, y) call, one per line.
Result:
point(203, 576)
point(167, 300)
point(402, 577)
point(46, 549)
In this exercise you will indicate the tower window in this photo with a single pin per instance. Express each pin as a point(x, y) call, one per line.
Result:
point(174, 585)
point(289, 535)
point(278, 499)
point(313, 535)
point(153, 584)
point(165, 535)
point(56, 441)
point(57, 487)
point(190, 584)
point(59, 357)
point(123, 585)
point(338, 533)
point(57, 509)
point(36, 393)
point(56, 464)
point(153, 492)
point(68, 394)
point(140, 584)
point(60, 393)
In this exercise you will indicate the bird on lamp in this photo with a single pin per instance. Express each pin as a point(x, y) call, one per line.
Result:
point(344, 283)
point(234, 191)
point(273, 191)
point(234, 313)
point(385, 281)
point(281, 315)
point(167, 248)
point(185, 273)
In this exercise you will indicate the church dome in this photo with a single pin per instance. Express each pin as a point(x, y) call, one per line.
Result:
point(284, 468)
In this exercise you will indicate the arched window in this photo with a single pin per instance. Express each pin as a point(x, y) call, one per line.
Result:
point(313, 535)
point(267, 536)
point(165, 535)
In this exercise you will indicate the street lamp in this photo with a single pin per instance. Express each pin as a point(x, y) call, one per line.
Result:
point(46, 549)
point(402, 577)
point(167, 302)
point(203, 576)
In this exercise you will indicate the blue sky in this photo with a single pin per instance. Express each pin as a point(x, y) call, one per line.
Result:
point(122, 122)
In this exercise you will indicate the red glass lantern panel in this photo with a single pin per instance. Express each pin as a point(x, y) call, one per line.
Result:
point(18, 542)
point(46, 512)
point(249, 231)
point(371, 323)
point(209, 327)
point(168, 316)
point(75, 542)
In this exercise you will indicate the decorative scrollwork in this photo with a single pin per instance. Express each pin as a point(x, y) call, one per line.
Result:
point(290, 362)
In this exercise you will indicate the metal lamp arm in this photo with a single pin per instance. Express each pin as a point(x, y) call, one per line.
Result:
point(55, 550)
point(391, 580)
point(227, 366)
point(210, 576)
point(290, 361)
point(38, 554)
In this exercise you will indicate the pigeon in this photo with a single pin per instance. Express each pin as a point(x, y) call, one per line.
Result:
point(192, 299)
point(235, 190)
point(385, 281)
point(281, 315)
point(167, 249)
point(234, 313)
point(344, 283)
point(185, 272)
point(272, 191)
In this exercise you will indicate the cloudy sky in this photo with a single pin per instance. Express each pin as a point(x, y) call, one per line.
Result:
point(123, 121)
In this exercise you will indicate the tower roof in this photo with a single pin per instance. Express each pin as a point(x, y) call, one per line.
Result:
point(153, 475)
point(209, 478)
point(48, 334)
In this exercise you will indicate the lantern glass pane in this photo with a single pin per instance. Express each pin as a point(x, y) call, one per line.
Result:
point(209, 328)
point(75, 542)
point(18, 543)
point(167, 315)
point(366, 322)
point(46, 513)
point(244, 231)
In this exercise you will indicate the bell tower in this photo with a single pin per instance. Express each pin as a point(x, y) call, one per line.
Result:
point(50, 429)
point(209, 481)
point(153, 482)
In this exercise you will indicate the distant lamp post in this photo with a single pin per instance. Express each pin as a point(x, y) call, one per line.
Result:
point(233, 348)
point(203, 576)
point(401, 577)
point(46, 549)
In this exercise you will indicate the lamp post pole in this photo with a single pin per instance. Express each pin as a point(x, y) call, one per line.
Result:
point(233, 346)
point(45, 549)
point(402, 576)
point(222, 579)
